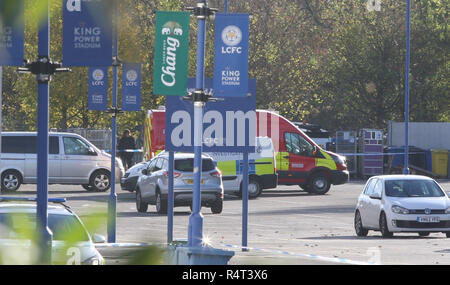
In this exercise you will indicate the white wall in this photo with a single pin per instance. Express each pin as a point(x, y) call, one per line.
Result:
point(421, 134)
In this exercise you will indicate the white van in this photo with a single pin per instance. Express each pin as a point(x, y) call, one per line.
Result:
point(262, 169)
point(71, 160)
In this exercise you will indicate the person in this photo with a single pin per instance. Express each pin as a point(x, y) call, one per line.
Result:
point(126, 142)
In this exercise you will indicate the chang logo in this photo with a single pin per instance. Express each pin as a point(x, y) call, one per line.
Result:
point(172, 28)
point(73, 5)
point(132, 75)
point(98, 75)
point(231, 36)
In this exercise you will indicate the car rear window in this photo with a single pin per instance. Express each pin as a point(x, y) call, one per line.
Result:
point(413, 188)
point(187, 165)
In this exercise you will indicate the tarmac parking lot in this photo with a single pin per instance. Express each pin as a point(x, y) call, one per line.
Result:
point(285, 226)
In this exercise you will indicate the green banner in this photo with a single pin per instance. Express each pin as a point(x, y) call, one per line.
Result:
point(170, 68)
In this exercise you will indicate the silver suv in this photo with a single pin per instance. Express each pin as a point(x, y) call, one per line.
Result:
point(152, 185)
point(71, 160)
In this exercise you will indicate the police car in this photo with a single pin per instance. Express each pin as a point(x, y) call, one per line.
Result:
point(71, 244)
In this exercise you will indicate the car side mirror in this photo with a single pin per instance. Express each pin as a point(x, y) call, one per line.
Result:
point(92, 151)
point(375, 196)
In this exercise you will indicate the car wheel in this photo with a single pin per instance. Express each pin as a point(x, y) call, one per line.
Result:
point(141, 206)
point(11, 181)
point(217, 207)
point(384, 226)
point(447, 234)
point(161, 204)
point(319, 183)
point(359, 229)
point(100, 181)
point(86, 187)
point(424, 234)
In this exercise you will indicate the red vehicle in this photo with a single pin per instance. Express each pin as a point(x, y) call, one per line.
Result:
point(300, 161)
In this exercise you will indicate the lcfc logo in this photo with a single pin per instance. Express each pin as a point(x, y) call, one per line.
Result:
point(231, 36)
point(98, 75)
point(132, 75)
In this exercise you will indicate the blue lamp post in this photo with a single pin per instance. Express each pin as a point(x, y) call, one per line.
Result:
point(42, 138)
point(408, 24)
point(112, 202)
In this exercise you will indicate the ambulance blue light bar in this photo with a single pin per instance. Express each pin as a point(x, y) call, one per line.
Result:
point(28, 199)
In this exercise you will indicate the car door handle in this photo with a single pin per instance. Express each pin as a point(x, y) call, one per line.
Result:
point(287, 156)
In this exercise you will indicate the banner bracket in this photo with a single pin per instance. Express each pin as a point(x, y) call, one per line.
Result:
point(44, 68)
point(114, 111)
point(117, 61)
point(201, 11)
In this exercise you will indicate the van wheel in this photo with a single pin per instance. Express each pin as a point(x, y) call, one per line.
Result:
point(305, 187)
point(11, 181)
point(424, 234)
point(100, 181)
point(254, 189)
point(141, 206)
point(217, 206)
point(161, 204)
point(319, 183)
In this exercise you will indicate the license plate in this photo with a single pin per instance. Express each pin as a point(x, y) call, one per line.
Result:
point(428, 219)
point(191, 181)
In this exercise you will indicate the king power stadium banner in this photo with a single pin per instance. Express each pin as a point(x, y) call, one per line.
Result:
point(171, 53)
point(12, 31)
point(87, 32)
point(231, 55)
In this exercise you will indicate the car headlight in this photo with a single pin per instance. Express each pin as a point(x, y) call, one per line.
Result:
point(399, 210)
point(447, 211)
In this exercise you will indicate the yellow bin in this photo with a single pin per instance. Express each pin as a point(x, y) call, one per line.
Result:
point(439, 162)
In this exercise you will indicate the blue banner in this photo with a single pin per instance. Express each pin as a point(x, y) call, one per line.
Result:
point(231, 55)
point(229, 125)
point(12, 31)
point(131, 87)
point(87, 33)
point(98, 89)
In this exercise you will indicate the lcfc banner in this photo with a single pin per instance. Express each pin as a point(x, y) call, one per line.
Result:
point(231, 55)
point(87, 32)
point(171, 53)
point(12, 30)
point(98, 89)
point(131, 87)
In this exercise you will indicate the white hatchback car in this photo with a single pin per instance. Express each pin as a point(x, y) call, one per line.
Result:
point(402, 203)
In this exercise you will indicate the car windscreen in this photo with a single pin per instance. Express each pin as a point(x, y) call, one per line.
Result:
point(21, 225)
point(413, 188)
point(187, 165)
